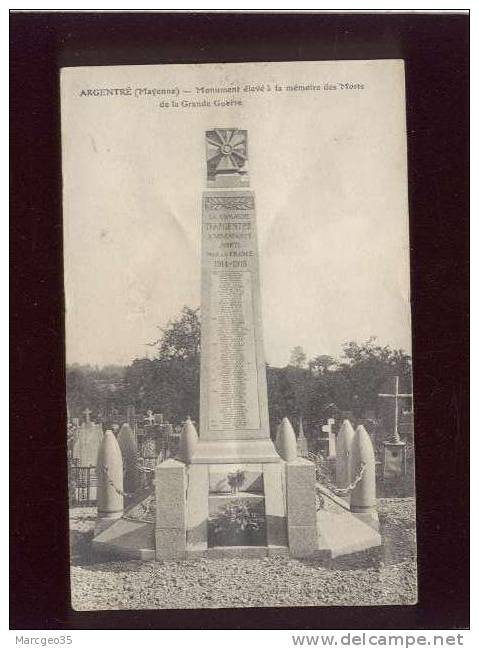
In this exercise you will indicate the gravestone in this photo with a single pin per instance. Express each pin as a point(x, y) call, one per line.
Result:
point(394, 466)
point(156, 441)
point(88, 439)
point(150, 418)
point(131, 418)
point(129, 452)
point(328, 428)
point(86, 442)
point(302, 442)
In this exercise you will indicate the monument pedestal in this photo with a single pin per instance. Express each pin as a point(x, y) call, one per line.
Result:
point(198, 515)
point(234, 451)
point(215, 513)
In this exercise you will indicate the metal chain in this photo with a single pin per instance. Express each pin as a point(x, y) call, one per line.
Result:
point(119, 491)
point(336, 490)
point(354, 483)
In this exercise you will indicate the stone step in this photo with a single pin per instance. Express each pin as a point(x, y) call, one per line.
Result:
point(340, 532)
point(127, 539)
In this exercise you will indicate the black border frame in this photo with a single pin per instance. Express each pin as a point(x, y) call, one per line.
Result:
point(436, 51)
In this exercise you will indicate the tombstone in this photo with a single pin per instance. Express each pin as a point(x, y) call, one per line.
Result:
point(394, 465)
point(87, 413)
point(329, 430)
point(129, 452)
point(234, 438)
point(131, 415)
point(157, 418)
point(147, 445)
point(302, 442)
point(85, 448)
point(166, 441)
point(150, 418)
point(343, 454)
point(132, 420)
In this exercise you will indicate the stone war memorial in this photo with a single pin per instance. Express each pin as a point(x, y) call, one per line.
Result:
point(230, 491)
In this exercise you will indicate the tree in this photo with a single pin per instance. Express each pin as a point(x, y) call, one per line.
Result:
point(297, 376)
point(297, 357)
point(140, 379)
point(322, 364)
point(281, 396)
point(364, 371)
point(180, 339)
point(176, 377)
point(170, 383)
point(81, 391)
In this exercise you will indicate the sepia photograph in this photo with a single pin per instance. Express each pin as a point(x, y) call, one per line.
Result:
point(238, 335)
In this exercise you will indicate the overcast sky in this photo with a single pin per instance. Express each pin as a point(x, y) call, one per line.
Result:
point(329, 172)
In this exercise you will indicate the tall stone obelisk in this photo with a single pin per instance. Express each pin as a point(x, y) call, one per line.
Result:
point(234, 422)
point(233, 463)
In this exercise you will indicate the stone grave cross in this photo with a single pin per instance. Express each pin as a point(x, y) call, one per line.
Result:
point(329, 428)
point(396, 396)
point(150, 418)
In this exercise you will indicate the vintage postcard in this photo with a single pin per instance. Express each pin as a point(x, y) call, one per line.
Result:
point(238, 334)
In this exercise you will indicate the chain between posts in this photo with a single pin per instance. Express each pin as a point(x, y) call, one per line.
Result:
point(119, 491)
point(347, 490)
point(337, 490)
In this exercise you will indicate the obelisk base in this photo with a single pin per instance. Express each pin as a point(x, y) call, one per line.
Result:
point(199, 505)
point(234, 451)
point(208, 496)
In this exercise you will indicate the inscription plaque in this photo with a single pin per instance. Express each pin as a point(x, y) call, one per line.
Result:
point(233, 379)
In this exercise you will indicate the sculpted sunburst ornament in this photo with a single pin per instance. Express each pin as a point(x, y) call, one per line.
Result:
point(226, 152)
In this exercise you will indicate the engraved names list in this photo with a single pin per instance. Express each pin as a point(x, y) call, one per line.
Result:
point(230, 268)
